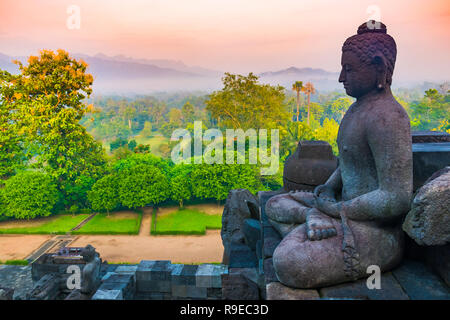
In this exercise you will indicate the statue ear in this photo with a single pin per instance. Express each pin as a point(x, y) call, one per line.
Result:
point(380, 64)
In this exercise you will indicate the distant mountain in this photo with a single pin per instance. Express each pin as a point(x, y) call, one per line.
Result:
point(299, 71)
point(323, 80)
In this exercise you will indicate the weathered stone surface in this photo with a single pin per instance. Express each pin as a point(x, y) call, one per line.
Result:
point(6, 293)
point(47, 288)
point(428, 222)
point(210, 276)
point(238, 287)
point(390, 290)
point(310, 165)
point(252, 232)
point(17, 278)
point(214, 293)
point(420, 283)
point(269, 271)
point(154, 286)
point(186, 277)
point(153, 270)
point(270, 241)
point(127, 269)
point(235, 212)
point(241, 256)
point(108, 295)
point(438, 257)
point(250, 273)
point(427, 159)
point(429, 136)
point(277, 291)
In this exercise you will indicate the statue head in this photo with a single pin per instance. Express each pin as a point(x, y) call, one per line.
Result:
point(368, 60)
point(88, 253)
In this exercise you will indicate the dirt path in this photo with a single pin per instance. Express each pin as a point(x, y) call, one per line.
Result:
point(15, 247)
point(146, 222)
point(178, 249)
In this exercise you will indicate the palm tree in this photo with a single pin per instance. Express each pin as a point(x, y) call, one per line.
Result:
point(309, 89)
point(298, 86)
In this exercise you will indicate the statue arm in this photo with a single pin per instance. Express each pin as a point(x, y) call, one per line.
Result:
point(389, 140)
point(335, 180)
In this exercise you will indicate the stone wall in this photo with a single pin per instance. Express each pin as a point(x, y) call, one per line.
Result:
point(162, 280)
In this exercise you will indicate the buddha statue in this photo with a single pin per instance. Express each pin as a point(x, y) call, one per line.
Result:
point(352, 221)
point(90, 277)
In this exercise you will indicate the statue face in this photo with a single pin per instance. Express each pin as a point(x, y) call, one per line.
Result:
point(358, 78)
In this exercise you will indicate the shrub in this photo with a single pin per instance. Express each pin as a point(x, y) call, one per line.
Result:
point(104, 194)
point(29, 194)
point(142, 185)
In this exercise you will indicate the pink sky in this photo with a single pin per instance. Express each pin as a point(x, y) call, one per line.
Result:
point(231, 35)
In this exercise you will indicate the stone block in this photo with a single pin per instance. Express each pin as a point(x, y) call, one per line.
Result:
point(210, 276)
point(427, 159)
point(214, 293)
point(269, 271)
point(438, 257)
point(121, 277)
point(6, 293)
point(278, 291)
point(249, 273)
point(420, 283)
point(252, 232)
point(258, 250)
point(153, 270)
point(108, 295)
point(126, 269)
point(154, 286)
point(179, 291)
point(196, 292)
point(241, 256)
point(238, 287)
point(107, 275)
point(390, 290)
point(186, 277)
point(204, 275)
point(429, 136)
point(236, 210)
point(428, 221)
point(270, 243)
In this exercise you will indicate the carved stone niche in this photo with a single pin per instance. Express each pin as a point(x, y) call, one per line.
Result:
point(310, 165)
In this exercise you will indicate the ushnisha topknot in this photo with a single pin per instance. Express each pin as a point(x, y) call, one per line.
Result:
point(371, 40)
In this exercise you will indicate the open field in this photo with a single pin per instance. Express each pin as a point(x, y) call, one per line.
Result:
point(58, 224)
point(186, 221)
point(123, 222)
point(154, 141)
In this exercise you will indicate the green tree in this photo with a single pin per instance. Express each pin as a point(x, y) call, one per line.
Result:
point(143, 185)
point(188, 113)
point(104, 194)
point(48, 95)
point(11, 149)
point(147, 130)
point(339, 107)
point(244, 103)
point(180, 184)
point(309, 90)
point(29, 194)
point(297, 87)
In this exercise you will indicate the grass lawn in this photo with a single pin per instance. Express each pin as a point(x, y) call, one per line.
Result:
point(187, 221)
point(115, 223)
point(59, 224)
